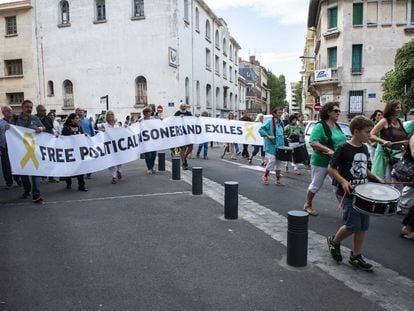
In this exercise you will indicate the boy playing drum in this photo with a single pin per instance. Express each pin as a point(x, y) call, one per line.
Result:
point(349, 167)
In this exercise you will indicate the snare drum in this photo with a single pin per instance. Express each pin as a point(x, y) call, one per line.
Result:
point(376, 199)
point(284, 153)
point(300, 154)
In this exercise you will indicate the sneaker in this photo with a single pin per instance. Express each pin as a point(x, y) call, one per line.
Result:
point(149, 172)
point(84, 189)
point(8, 186)
point(360, 263)
point(278, 182)
point(334, 249)
point(250, 161)
point(265, 180)
point(119, 175)
point(114, 181)
point(25, 195)
point(37, 200)
point(205, 158)
point(198, 155)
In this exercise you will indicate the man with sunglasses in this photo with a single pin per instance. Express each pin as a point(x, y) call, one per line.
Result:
point(326, 137)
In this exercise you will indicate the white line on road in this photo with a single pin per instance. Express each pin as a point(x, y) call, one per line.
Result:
point(384, 287)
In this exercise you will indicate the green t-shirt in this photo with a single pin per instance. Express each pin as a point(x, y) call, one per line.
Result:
point(291, 129)
point(409, 128)
point(318, 135)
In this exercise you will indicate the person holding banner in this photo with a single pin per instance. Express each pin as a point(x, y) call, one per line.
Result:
point(186, 150)
point(27, 120)
point(71, 127)
point(149, 156)
point(110, 122)
point(229, 147)
point(274, 136)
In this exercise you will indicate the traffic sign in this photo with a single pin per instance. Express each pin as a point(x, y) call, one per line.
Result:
point(317, 106)
point(160, 109)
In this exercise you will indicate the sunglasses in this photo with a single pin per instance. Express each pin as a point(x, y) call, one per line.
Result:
point(336, 110)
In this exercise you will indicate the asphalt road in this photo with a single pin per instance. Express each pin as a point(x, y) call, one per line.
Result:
point(382, 243)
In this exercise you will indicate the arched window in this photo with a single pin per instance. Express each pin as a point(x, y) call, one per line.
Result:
point(50, 89)
point(198, 93)
point(138, 8)
point(100, 10)
point(236, 103)
point(217, 96)
point(197, 16)
point(187, 91)
point(231, 101)
point(64, 12)
point(141, 98)
point(208, 30)
point(208, 95)
point(186, 17)
point(217, 40)
point(224, 46)
point(68, 94)
point(231, 52)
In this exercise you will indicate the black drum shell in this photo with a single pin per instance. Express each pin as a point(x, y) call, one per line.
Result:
point(284, 154)
point(300, 154)
point(374, 208)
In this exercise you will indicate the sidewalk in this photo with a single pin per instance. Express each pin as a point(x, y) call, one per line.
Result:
point(147, 244)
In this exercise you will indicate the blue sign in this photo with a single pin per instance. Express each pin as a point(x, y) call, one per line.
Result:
point(372, 95)
point(171, 104)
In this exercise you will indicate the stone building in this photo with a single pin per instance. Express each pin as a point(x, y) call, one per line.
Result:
point(125, 55)
point(355, 43)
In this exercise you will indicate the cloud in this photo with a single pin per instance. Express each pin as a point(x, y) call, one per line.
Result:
point(287, 11)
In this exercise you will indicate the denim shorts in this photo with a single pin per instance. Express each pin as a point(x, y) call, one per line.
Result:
point(353, 220)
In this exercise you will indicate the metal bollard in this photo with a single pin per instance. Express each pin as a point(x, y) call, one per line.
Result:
point(176, 168)
point(161, 162)
point(197, 180)
point(297, 238)
point(231, 200)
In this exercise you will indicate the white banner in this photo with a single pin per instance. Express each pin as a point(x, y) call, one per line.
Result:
point(46, 155)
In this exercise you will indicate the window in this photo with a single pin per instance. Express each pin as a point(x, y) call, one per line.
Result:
point(231, 73)
point(197, 15)
point(139, 8)
point(217, 40)
point(401, 11)
point(224, 70)
point(141, 97)
point(64, 13)
point(372, 13)
point(187, 91)
point(386, 12)
point(356, 102)
point(217, 67)
point(14, 99)
point(332, 17)
point(236, 103)
point(217, 96)
point(50, 89)
point(208, 59)
point(100, 10)
point(208, 30)
point(68, 94)
point(11, 26)
point(186, 18)
point(357, 59)
point(224, 46)
point(231, 101)
point(231, 52)
point(357, 14)
point(235, 77)
point(225, 98)
point(332, 56)
point(208, 95)
point(13, 67)
point(198, 93)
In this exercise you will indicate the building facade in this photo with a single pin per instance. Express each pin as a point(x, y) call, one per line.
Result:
point(355, 43)
point(293, 106)
point(125, 55)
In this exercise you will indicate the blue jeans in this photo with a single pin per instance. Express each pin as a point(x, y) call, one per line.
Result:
point(353, 220)
point(150, 159)
point(35, 186)
point(200, 146)
point(236, 148)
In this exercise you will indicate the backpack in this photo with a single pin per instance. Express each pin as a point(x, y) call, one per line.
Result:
point(328, 132)
point(403, 170)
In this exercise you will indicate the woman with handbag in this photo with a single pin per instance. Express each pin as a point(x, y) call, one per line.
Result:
point(274, 136)
point(324, 146)
point(391, 140)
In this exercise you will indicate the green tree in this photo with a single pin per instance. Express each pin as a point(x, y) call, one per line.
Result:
point(277, 86)
point(298, 95)
point(399, 82)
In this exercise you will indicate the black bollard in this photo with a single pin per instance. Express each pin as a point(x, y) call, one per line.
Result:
point(197, 180)
point(161, 162)
point(176, 168)
point(297, 238)
point(231, 199)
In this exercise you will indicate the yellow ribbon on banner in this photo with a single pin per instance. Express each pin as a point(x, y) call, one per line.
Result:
point(249, 131)
point(29, 144)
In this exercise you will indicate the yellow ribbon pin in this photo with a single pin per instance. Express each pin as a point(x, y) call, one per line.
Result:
point(29, 144)
point(249, 131)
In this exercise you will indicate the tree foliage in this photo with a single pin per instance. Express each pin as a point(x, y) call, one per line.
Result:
point(297, 95)
point(399, 82)
point(277, 86)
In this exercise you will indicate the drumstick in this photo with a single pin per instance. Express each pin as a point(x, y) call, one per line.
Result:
point(342, 202)
point(399, 142)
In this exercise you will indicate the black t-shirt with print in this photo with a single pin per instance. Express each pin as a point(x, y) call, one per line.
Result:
point(352, 163)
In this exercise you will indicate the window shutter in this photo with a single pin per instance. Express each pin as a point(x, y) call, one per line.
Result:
point(357, 14)
point(333, 17)
point(357, 58)
point(332, 52)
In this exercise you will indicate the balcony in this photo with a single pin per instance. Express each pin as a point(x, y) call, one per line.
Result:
point(16, 5)
point(326, 76)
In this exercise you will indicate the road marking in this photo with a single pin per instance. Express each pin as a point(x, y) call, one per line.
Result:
point(385, 287)
point(103, 198)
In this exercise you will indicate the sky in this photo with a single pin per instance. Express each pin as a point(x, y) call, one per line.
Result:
point(272, 30)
